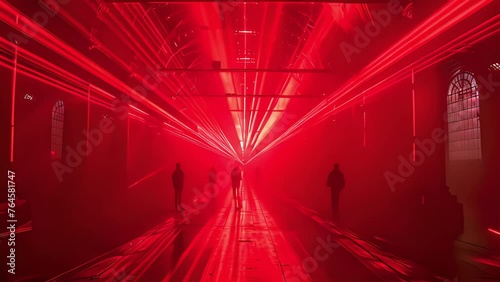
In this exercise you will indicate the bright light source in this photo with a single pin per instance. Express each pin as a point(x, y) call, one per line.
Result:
point(246, 32)
point(139, 110)
point(494, 231)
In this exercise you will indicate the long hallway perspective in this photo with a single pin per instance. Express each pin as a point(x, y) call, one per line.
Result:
point(224, 140)
point(247, 244)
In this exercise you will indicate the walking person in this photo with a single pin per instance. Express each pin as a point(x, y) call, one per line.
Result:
point(178, 181)
point(336, 182)
point(212, 179)
point(236, 180)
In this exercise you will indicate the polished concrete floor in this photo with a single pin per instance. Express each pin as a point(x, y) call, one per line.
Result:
point(256, 242)
point(268, 238)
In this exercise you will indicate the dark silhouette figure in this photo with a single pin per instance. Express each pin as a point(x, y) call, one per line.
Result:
point(236, 180)
point(336, 182)
point(178, 181)
point(212, 179)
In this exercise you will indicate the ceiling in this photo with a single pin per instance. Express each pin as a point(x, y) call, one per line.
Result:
point(240, 77)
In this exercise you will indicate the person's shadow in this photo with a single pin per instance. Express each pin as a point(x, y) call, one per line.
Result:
point(178, 248)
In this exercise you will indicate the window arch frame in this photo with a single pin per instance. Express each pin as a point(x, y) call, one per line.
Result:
point(463, 112)
point(57, 131)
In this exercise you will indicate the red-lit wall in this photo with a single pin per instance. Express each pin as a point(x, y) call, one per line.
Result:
point(5, 113)
point(419, 206)
point(475, 182)
point(489, 204)
point(299, 167)
point(93, 208)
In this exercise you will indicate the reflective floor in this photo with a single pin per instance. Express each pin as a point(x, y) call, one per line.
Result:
point(269, 238)
point(212, 240)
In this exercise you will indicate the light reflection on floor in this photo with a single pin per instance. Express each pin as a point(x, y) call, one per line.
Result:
point(222, 243)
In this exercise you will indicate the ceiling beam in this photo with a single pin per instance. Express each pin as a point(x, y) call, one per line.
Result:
point(232, 2)
point(229, 95)
point(257, 110)
point(171, 70)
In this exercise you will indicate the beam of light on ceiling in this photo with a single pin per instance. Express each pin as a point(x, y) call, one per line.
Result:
point(441, 21)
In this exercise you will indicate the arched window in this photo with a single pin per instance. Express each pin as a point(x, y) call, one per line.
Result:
point(56, 141)
point(464, 131)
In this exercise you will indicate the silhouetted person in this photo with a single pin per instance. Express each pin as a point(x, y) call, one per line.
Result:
point(212, 179)
point(178, 181)
point(336, 182)
point(236, 179)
